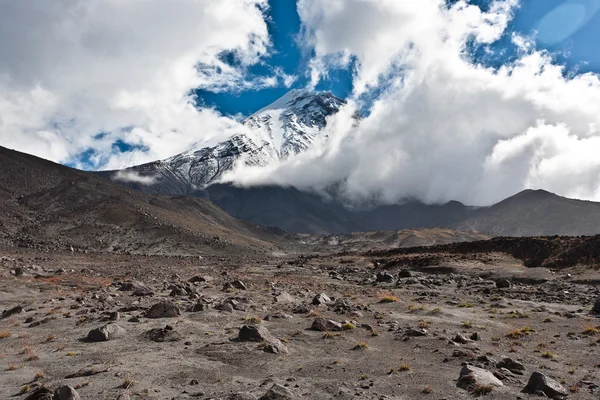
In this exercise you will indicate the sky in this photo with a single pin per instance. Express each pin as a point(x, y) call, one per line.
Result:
point(464, 100)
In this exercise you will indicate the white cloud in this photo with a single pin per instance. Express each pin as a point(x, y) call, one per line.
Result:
point(444, 127)
point(71, 69)
point(132, 176)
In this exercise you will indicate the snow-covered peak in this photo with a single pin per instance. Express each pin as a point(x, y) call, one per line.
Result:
point(284, 128)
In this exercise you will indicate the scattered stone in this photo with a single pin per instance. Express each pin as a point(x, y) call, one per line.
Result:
point(105, 333)
point(279, 315)
point(540, 383)
point(199, 306)
point(404, 273)
point(278, 392)
point(114, 316)
point(227, 307)
point(166, 334)
point(503, 284)
point(384, 277)
point(325, 325)
point(475, 336)
point(239, 285)
point(124, 396)
point(459, 338)
point(198, 279)
point(42, 393)
point(164, 309)
point(471, 377)
point(66, 392)
point(415, 332)
point(320, 299)
point(254, 333)
point(596, 308)
point(513, 366)
point(11, 311)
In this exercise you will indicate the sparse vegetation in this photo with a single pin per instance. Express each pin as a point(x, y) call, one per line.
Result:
point(403, 367)
point(361, 346)
point(467, 324)
point(5, 334)
point(127, 383)
point(547, 354)
point(482, 390)
point(253, 320)
point(389, 299)
point(348, 326)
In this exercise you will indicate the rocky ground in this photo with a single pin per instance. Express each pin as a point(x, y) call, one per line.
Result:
point(352, 325)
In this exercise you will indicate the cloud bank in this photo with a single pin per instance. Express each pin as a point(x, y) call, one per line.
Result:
point(442, 127)
point(77, 75)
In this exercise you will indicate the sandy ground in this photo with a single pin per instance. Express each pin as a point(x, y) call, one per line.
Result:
point(543, 321)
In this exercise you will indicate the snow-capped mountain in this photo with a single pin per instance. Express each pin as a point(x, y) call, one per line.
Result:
point(282, 129)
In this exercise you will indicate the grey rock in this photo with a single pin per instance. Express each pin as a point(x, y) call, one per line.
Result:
point(320, 299)
point(541, 383)
point(164, 309)
point(66, 392)
point(278, 392)
point(256, 333)
point(199, 306)
point(324, 325)
point(415, 332)
point(459, 338)
point(513, 366)
point(240, 396)
point(105, 333)
point(471, 376)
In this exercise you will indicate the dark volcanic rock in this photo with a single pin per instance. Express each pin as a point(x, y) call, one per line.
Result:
point(166, 334)
point(11, 311)
point(164, 309)
point(513, 366)
point(66, 392)
point(596, 308)
point(106, 332)
point(42, 393)
point(540, 383)
point(384, 277)
point(503, 284)
point(404, 273)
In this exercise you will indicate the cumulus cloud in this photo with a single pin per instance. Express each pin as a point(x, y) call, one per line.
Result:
point(78, 75)
point(442, 127)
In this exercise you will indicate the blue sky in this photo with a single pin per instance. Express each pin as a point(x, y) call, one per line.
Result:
point(569, 29)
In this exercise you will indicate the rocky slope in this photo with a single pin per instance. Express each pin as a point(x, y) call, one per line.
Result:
point(49, 206)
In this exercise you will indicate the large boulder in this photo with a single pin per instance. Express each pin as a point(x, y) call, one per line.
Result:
point(257, 333)
point(105, 333)
point(540, 383)
point(164, 309)
point(384, 277)
point(325, 325)
point(278, 392)
point(66, 392)
point(471, 377)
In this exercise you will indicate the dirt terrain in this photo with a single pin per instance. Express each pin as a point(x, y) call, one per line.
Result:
point(283, 326)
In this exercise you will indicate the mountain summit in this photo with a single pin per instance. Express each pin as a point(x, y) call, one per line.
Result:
point(286, 127)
